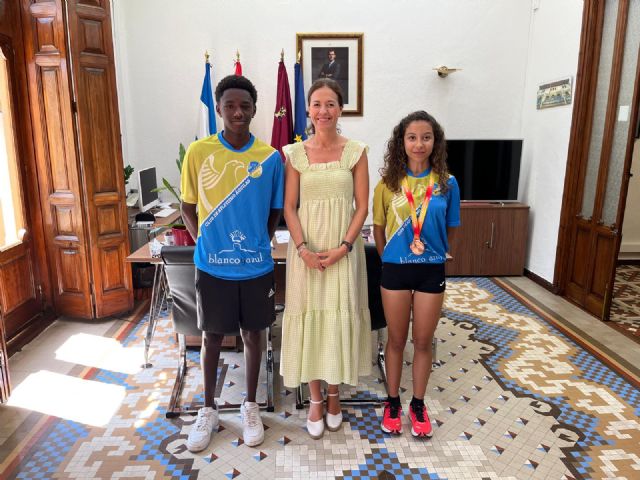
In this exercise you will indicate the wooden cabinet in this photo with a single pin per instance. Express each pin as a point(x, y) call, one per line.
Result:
point(491, 241)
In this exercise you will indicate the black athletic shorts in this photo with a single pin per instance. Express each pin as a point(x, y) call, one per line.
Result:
point(226, 306)
point(421, 277)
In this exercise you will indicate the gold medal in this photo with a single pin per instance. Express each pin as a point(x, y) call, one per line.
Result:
point(417, 247)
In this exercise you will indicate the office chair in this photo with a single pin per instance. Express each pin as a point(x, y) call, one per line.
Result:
point(180, 273)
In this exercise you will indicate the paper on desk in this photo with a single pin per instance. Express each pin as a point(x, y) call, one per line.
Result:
point(282, 236)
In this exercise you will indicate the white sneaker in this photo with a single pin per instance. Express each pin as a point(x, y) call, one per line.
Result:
point(252, 428)
point(200, 434)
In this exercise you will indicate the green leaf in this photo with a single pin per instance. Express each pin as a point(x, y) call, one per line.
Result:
point(171, 188)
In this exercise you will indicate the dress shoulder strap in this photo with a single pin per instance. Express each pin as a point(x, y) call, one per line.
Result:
point(296, 155)
point(352, 153)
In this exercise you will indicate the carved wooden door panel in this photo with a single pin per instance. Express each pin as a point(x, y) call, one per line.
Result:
point(99, 148)
point(56, 157)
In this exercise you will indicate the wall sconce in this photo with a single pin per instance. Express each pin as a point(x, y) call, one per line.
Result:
point(444, 71)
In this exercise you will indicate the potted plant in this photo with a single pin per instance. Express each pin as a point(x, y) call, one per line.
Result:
point(181, 235)
point(166, 184)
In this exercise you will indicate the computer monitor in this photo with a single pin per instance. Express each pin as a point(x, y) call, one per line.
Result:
point(146, 184)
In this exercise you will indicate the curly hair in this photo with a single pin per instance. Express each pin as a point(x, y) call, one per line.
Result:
point(236, 81)
point(396, 159)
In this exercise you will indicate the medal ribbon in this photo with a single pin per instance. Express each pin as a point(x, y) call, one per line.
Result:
point(415, 221)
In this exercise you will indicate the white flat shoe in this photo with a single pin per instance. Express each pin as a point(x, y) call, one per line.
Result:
point(334, 420)
point(315, 428)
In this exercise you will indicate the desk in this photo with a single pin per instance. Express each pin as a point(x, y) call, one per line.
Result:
point(158, 292)
point(160, 289)
point(140, 235)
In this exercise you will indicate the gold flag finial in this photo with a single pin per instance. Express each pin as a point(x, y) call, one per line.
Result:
point(237, 55)
point(206, 56)
point(299, 55)
point(282, 55)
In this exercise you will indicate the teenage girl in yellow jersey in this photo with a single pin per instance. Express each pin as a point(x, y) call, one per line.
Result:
point(414, 206)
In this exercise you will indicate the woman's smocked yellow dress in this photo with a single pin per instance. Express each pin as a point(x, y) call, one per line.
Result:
point(326, 324)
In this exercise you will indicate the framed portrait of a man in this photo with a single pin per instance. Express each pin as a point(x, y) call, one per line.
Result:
point(337, 56)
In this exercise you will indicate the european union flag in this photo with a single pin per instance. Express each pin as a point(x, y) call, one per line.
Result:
point(300, 117)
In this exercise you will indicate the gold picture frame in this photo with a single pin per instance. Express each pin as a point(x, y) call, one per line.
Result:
point(338, 56)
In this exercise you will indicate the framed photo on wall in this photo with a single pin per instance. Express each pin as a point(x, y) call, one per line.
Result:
point(337, 56)
point(555, 93)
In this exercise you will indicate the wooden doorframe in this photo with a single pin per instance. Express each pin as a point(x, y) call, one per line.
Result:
point(580, 134)
point(580, 137)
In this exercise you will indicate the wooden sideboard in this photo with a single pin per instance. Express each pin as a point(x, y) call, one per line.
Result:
point(491, 240)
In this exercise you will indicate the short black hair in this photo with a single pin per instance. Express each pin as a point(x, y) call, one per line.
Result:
point(236, 81)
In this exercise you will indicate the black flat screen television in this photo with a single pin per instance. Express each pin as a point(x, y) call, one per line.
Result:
point(486, 170)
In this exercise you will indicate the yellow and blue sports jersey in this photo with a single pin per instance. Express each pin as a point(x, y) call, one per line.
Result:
point(392, 211)
point(235, 190)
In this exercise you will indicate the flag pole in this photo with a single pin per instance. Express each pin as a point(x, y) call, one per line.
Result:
point(238, 65)
point(299, 56)
point(282, 55)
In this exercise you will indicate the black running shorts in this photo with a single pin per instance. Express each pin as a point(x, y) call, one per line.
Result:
point(419, 277)
point(226, 306)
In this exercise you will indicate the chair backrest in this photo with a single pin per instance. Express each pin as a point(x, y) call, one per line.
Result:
point(181, 272)
point(181, 277)
point(374, 270)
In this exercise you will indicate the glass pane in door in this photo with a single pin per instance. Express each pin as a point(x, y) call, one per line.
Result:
point(600, 107)
point(12, 225)
point(621, 128)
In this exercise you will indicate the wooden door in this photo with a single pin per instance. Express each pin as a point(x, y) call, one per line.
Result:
point(22, 299)
point(57, 162)
point(99, 149)
point(599, 153)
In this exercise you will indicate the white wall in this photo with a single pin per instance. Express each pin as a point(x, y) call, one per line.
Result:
point(504, 51)
point(631, 225)
point(160, 46)
point(553, 54)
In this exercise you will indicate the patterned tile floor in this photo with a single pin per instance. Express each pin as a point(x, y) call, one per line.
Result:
point(513, 398)
point(625, 306)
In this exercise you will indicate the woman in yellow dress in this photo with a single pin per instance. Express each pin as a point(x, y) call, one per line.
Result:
point(326, 324)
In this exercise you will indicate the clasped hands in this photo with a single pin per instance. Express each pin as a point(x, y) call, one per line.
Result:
point(321, 260)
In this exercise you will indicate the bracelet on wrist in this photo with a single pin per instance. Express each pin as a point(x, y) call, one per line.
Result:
point(300, 244)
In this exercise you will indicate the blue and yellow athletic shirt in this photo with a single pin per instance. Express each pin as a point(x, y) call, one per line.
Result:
point(392, 211)
point(234, 191)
